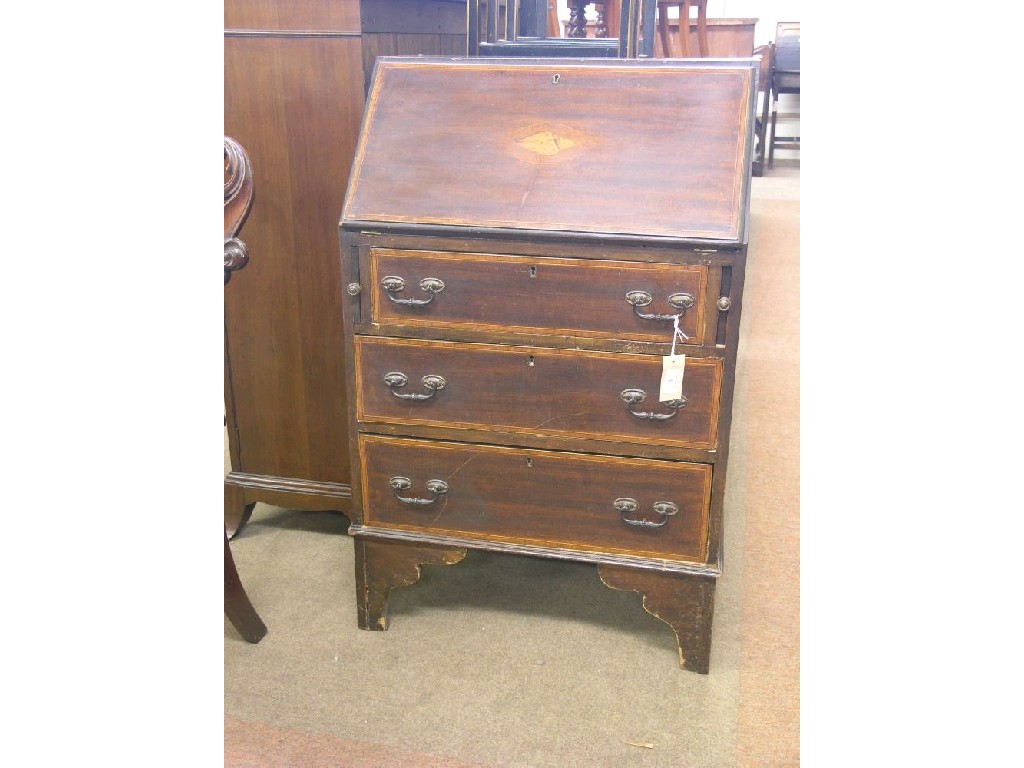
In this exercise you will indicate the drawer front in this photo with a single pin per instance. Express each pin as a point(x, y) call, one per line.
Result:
point(576, 297)
point(541, 498)
point(535, 390)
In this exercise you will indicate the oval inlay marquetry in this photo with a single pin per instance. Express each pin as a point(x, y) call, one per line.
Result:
point(546, 143)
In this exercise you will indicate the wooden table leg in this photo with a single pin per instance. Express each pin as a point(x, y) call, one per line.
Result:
point(237, 606)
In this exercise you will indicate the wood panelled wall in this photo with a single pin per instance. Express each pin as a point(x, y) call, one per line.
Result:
point(410, 27)
point(295, 73)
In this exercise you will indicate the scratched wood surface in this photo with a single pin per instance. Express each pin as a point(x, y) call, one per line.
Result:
point(537, 497)
point(543, 294)
point(504, 223)
point(649, 148)
point(535, 390)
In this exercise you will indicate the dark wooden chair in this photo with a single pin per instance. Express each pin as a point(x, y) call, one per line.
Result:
point(764, 77)
point(238, 199)
point(678, 45)
point(516, 28)
point(785, 79)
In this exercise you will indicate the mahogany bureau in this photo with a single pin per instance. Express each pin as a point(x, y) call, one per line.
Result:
point(524, 245)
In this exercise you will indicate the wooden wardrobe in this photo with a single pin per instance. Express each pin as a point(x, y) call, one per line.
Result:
point(295, 75)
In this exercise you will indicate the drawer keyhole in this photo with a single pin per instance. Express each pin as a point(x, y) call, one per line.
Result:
point(530, 361)
point(533, 271)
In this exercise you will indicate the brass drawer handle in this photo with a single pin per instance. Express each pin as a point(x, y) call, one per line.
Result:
point(632, 397)
point(629, 506)
point(394, 284)
point(397, 380)
point(681, 301)
point(437, 487)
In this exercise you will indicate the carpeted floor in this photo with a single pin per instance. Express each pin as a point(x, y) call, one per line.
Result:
point(506, 661)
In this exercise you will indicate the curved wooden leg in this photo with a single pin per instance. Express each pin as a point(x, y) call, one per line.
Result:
point(236, 511)
point(237, 607)
point(757, 164)
point(383, 565)
point(761, 123)
point(686, 602)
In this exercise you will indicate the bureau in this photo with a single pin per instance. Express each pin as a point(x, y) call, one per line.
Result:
point(531, 249)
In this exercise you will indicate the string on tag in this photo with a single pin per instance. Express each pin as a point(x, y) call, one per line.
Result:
point(677, 333)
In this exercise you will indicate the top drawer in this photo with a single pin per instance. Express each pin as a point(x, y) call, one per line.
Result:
point(545, 296)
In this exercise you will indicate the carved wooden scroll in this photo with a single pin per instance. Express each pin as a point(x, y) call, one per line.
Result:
point(238, 198)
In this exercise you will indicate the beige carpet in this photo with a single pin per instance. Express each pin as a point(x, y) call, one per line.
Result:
point(511, 661)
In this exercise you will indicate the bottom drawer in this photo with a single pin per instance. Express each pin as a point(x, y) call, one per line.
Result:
point(608, 504)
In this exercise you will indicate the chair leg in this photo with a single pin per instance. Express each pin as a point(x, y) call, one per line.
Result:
point(702, 28)
point(764, 120)
point(684, 29)
point(237, 607)
point(762, 135)
point(554, 26)
point(613, 10)
point(771, 139)
point(663, 36)
point(757, 164)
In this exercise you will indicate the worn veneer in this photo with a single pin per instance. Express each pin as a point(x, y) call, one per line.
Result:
point(519, 252)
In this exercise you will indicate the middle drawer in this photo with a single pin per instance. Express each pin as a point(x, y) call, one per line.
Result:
point(534, 390)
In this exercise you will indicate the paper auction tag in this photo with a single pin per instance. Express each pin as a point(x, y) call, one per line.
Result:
point(672, 377)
